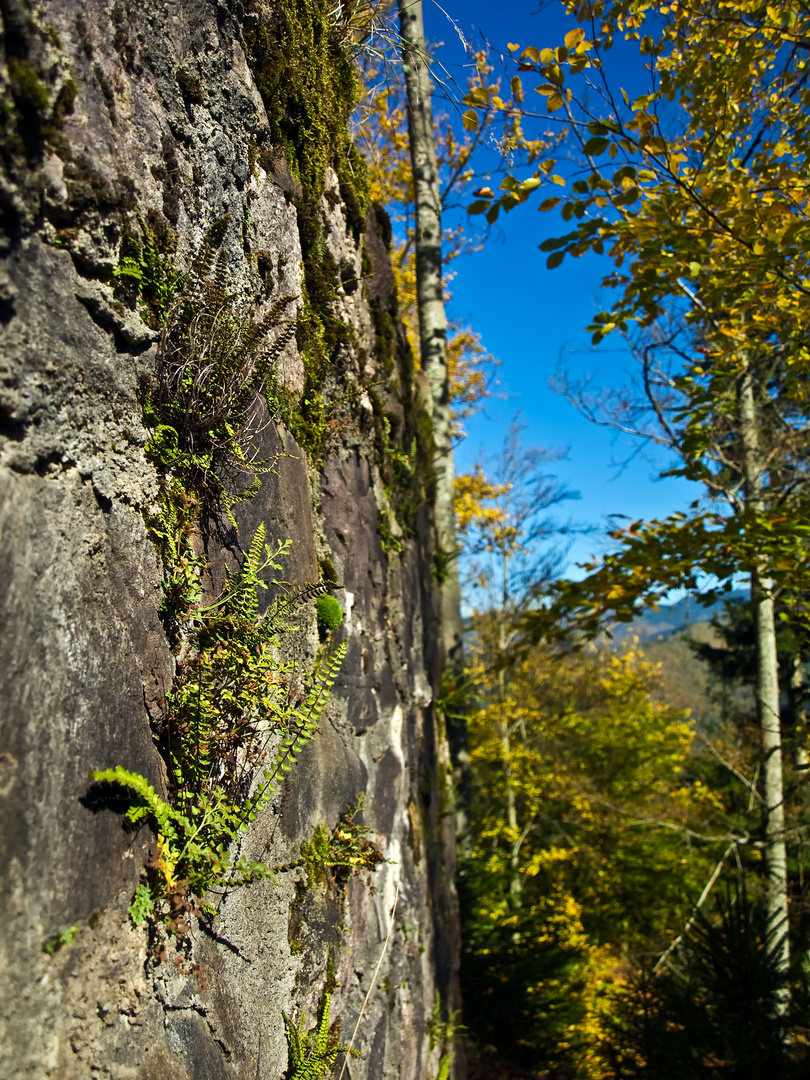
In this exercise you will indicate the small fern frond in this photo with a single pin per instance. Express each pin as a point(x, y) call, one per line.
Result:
point(322, 1037)
point(313, 1053)
point(321, 689)
point(283, 606)
point(152, 803)
point(298, 735)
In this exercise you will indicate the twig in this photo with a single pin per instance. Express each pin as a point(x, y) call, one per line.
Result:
point(750, 784)
point(703, 897)
point(662, 823)
point(754, 790)
point(370, 987)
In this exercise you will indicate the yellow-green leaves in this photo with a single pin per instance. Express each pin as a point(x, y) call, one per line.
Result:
point(578, 849)
point(719, 182)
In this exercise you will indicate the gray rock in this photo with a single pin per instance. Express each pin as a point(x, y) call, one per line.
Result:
point(162, 125)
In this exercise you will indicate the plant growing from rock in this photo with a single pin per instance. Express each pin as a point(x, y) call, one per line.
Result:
point(234, 710)
point(338, 851)
point(329, 613)
point(208, 403)
point(313, 1053)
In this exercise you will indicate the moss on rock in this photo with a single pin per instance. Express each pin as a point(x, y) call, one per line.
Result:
point(329, 613)
point(309, 85)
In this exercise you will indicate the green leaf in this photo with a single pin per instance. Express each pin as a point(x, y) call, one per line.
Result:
point(595, 146)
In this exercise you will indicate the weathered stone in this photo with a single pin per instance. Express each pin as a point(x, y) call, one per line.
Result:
point(165, 124)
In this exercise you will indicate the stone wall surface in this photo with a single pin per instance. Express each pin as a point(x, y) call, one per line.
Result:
point(116, 109)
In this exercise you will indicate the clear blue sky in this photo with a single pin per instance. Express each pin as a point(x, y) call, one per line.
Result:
point(530, 317)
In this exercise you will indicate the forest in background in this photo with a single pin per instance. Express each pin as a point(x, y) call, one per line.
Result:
point(632, 813)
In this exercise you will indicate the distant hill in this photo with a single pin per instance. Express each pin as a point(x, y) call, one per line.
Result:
point(685, 682)
point(682, 616)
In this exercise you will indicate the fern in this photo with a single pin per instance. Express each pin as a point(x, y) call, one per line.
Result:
point(193, 842)
point(234, 711)
point(303, 726)
point(214, 363)
point(312, 1054)
point(231, 700)
point(147, 266)
point(232, 692)
point(345, 848)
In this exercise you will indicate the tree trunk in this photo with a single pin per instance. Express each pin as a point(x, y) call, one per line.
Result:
point(430, 299)
point(799, 717)
point(767, 687)
point(433, 351)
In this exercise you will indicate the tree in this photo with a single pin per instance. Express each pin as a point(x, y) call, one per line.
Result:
point(421, 165)
point(430, 304)
point(504, 525)
point(711, 1014)
point(608, 829)
point(417, 191)
point(700, 185)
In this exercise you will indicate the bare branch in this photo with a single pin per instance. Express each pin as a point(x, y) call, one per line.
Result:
point(662, 959)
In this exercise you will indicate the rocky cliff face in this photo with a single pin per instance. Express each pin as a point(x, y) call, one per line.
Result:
point(148, 122)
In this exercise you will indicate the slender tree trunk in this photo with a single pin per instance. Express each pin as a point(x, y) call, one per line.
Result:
point(433, 350)
point(506, 739)
point(430, 298)
point(509, 784)
point(799, 716)
point(767, 686)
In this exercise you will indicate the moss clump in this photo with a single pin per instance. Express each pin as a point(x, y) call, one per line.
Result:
point(329, 613)
point(309, 86)
point(328, 573)
point(39, 95)
point(30, 94)
point(405, 442)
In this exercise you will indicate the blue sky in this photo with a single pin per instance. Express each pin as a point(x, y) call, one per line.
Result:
point(532, 318)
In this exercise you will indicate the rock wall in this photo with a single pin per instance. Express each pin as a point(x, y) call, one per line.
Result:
point(113, 112)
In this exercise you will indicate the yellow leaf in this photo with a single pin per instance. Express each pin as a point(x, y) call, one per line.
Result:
point(470, 120)
point(574, 37)
point(554, 74)
point(511, 47)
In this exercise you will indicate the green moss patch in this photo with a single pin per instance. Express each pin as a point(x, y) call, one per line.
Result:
point(309, 86)
point(329, 613)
